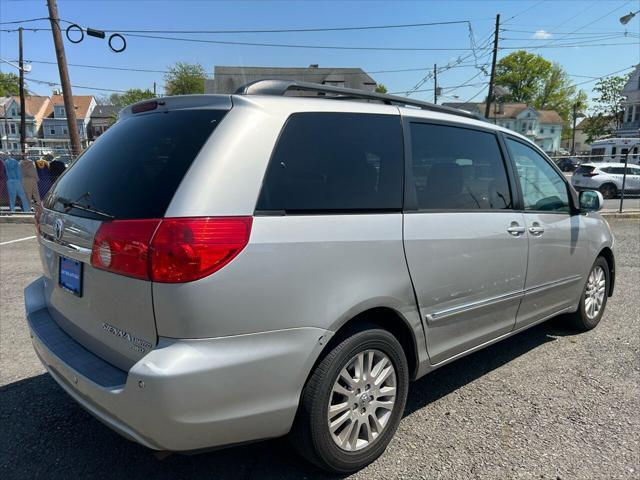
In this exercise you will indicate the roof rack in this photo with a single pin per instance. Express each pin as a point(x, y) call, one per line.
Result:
point(281, 87)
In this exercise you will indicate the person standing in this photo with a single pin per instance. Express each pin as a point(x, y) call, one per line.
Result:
point(30, 181)
point(44, 176)
point(4, 196)
point(14, 184)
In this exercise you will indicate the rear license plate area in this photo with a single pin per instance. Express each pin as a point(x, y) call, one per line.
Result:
point(70, 275)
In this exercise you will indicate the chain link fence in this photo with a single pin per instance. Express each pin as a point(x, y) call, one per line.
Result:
point(26, 179)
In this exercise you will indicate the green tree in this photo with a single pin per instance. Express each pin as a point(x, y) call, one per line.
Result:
point(132, 95)
point(609, 100)
point(533, 80)
point(9, 84)
point(184, 79)
point(598, 126)
point(381, 88)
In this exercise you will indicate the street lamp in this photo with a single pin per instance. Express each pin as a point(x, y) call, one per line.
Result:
point(627, 18)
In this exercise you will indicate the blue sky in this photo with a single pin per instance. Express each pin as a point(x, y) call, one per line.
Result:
point(573, 25)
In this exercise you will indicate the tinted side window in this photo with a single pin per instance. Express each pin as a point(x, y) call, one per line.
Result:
point(542, 187)
point(336, 162)
point(457, 168)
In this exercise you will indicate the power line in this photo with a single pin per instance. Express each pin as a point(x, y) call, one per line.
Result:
point(604, 76)
point(290, 45)
point(24, 21)
point(564, 45)
point(270, 30)
point(299, 30)
point(348, 48)
point(151, 70)
point(602, 32)
point(523, 11)
point(477, 93)
point(624, 4)
point(52, 83)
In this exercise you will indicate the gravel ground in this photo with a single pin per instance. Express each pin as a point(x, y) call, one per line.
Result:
point(545, 404)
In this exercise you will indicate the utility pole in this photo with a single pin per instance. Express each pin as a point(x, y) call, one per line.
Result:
point(573, 131)
point(23, 122)
point(154, 89)
point(493, 68)
point(435, 83)
point(64, 77)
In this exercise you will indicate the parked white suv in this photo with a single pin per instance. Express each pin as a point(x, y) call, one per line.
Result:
point(606, 178)
point(228, 268)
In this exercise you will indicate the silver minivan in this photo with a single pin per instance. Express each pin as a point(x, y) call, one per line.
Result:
point(229, 268)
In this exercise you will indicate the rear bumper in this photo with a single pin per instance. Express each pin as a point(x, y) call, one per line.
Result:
point(184, 395)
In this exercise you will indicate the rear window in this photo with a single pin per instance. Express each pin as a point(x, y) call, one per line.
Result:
point(581, 170)
point(135, 167)
point(332, 162)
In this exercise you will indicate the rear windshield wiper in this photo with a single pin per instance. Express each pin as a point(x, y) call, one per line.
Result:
point(86, 208)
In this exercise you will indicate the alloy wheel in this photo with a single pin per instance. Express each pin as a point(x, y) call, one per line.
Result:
point(362, 400)
point(595, 292)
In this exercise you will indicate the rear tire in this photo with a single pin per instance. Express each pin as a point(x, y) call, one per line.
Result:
point(608, 190)
point(346, 420)
point(594, 297)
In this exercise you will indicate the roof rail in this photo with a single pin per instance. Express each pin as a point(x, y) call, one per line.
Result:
point(281, 87)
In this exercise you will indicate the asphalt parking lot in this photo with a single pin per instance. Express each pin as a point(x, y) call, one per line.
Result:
point(545, 404)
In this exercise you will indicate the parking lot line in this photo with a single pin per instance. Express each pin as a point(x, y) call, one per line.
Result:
point(17, 240)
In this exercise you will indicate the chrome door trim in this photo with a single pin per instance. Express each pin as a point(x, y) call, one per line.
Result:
point(550, 285)
point(433, 366)
point(442, 314)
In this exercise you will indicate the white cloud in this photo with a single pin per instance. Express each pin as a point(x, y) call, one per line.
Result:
point(541, 35)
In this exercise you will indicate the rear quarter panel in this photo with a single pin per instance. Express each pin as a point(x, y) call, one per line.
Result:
point(297, 271)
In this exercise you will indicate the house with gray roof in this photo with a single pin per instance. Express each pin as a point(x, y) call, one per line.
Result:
point(229, 79)
point(102, 117)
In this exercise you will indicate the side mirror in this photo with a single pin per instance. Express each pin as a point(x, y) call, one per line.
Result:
point(591, 201)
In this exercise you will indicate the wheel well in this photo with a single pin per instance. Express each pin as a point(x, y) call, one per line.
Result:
point(607, 254)
point(609, 183)
point(384, 318)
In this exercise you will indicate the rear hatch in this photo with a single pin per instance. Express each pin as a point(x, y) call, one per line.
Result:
point(582, 174)
point(130, 173)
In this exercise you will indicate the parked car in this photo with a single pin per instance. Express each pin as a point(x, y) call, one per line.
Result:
point(229, 268)
point(568, 164)
point(606, 178)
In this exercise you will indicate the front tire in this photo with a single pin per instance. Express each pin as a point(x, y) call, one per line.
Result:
point(608, 190)
point(353, 402)
point(594, 297)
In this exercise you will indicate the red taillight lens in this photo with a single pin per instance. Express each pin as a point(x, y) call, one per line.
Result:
point(186, 249)
point(122, 246)
point(171, 250)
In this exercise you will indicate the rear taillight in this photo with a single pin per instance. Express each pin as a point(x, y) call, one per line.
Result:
point(171, 250)
point(122, 246)
point(186, 249)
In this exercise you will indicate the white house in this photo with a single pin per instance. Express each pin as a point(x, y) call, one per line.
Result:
point(36, 109)
point(631, 121)
point(543, 127)
point(55, 128)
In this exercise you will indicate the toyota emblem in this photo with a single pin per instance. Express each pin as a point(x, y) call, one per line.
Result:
point(58, 228)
